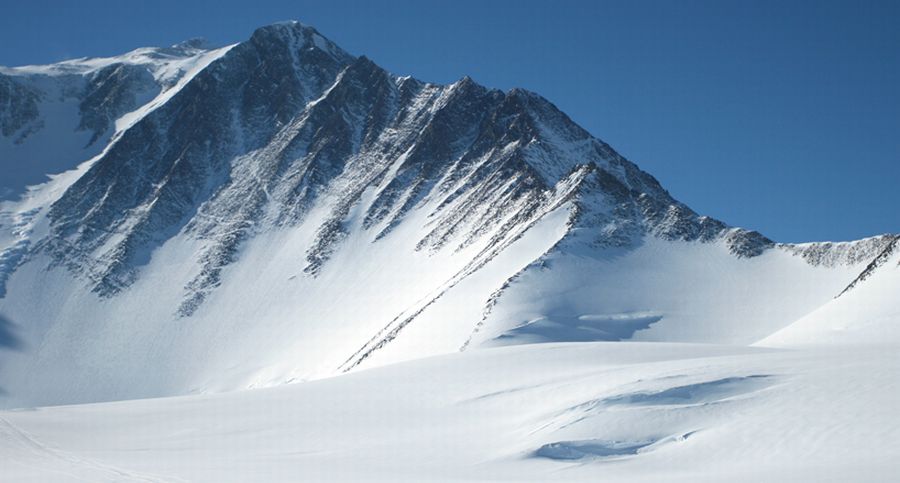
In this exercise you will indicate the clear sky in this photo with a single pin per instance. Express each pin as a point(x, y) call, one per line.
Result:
point(779, 116)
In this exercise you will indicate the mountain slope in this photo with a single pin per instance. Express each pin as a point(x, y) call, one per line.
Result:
point(53, 117)
point(280, 210)
point(864, 313)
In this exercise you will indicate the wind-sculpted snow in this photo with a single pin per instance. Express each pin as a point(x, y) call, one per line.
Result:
point(585, 327)
point(597, 411)
point(700, 393)
point(591, 448)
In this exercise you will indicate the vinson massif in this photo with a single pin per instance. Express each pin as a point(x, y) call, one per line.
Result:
point(279, 210)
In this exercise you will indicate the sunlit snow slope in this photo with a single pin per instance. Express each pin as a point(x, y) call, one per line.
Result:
point(280, 210)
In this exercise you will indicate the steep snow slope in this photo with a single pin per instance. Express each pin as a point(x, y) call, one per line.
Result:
point(595, 411)
point(281, 210)
point(867, 312)
point(641, 294)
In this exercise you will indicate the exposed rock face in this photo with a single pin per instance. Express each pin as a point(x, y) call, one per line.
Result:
point(18, 109)
point(111, 92)
point(829, 254)
point(53, 117)
point(261, 134)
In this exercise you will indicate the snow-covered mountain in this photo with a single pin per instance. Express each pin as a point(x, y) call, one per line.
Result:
point(54, 117)
point(280, 210)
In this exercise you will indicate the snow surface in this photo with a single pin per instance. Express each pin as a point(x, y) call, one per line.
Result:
point(868, 313)
point(610, 411)
point(642, 294)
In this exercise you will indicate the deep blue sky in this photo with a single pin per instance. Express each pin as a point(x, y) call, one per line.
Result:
point(778, 116)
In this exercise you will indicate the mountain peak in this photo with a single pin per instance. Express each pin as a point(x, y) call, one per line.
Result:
point(196, 43)
point(297, 36)
point(465, 81)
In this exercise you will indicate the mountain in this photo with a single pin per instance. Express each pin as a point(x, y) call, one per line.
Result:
point(280, 210)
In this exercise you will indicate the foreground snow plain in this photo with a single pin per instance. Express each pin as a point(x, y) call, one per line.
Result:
point(590, 411)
